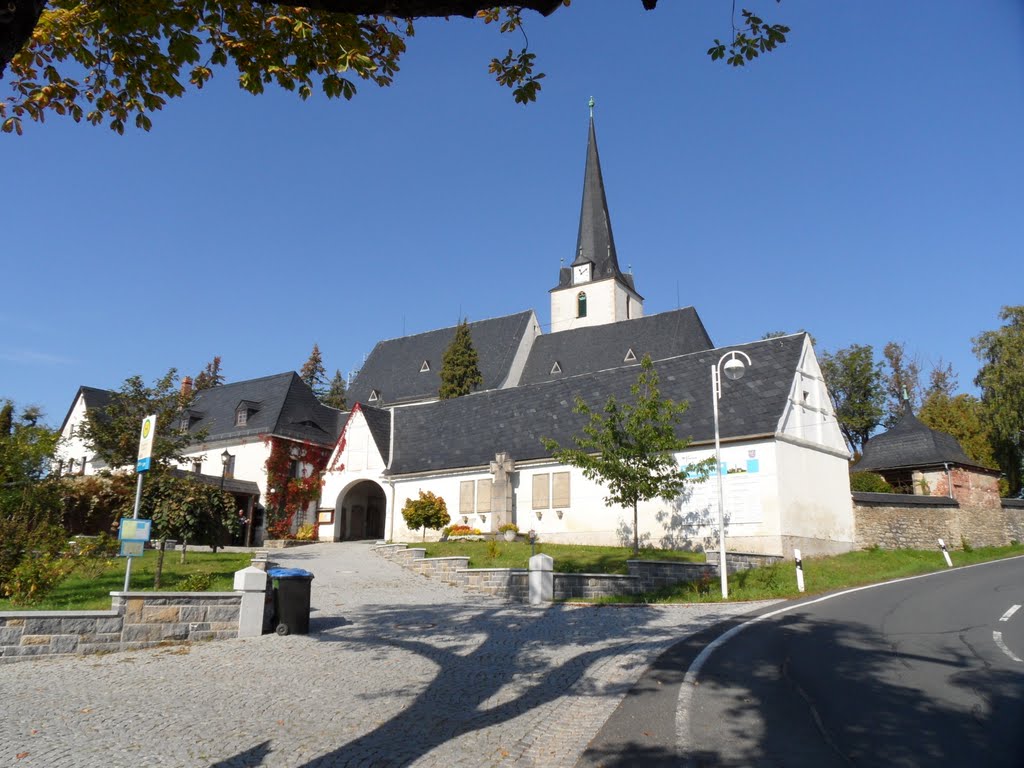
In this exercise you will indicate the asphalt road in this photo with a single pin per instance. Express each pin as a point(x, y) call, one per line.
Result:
point(921, 672)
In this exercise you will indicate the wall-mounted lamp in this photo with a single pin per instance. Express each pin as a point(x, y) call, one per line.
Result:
point(559, 513)
point(483, 518)
point(539, 514)
point(465, 519)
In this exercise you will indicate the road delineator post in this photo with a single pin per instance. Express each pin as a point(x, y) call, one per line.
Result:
point(945, 553)
point(799, 570)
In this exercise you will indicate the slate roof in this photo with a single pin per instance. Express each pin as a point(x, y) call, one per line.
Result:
point(599, 347)
point(393, 367)
point(379, 423)
point(282, 404)
point(94, 398)
point(595, 242)
point(468, 431)
point(231, 484)
point(912, 444)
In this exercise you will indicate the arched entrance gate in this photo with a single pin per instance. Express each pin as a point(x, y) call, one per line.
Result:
point(360, 511)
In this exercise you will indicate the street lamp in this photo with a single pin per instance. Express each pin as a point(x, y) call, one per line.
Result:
point(733, 368)
point(225, 459)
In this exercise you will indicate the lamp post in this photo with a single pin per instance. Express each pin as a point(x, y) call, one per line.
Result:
point(734, 369)
point(225, 459)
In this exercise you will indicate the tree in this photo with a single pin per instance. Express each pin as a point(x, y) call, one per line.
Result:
point(336, 393)
point(855, 385)
point(185, 509)
point(113, 431)
point(31, 537)
point(1001, 380)
point(210, 376)
point(460, 371)
point(314, 373)
point(902, 381)
point(427, 511)
point(963, 417)
point(629, 447)
point(129, 57)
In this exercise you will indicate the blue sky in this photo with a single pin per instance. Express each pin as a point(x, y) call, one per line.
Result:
point(862, 183)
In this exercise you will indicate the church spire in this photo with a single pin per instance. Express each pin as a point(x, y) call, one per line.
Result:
point(595, 243)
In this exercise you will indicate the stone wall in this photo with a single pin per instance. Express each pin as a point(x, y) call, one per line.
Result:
point(444, 568)
point(741, 561)
point(898, 521)
point(137, 620)
point(655, 574)
point(510, 583)
point(569, 586)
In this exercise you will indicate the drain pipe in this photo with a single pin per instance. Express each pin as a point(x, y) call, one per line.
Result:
point(389, 480)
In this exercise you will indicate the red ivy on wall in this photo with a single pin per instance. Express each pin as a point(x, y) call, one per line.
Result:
point(286, 495)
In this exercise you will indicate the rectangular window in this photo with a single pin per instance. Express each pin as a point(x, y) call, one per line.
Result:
point(229, 470)
point(483, 495)
point(241, 417)
point(197, 467)
point(294, 469)
point(560, 490)
point(466, 497)
point(541, 485)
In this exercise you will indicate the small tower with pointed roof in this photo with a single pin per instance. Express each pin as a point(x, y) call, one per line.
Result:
point(592, 290)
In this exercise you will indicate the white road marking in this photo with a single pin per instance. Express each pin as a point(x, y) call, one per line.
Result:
point(1006, 616)
point(998, 637)
point(686, 691)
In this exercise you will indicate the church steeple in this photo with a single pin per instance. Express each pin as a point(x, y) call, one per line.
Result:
point(593, 290)
point(595, 243)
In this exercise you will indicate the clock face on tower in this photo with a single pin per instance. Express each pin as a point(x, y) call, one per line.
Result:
point(581, 274)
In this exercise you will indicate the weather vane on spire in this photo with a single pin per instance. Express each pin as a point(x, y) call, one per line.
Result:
point(591, 106)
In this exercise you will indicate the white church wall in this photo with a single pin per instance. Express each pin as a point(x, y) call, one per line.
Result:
point(600, 305)
point(816, 507)
point(354, 459)
point(515, 371)
point(74, 448)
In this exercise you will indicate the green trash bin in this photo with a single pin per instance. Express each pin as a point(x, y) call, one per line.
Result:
point(291, 600)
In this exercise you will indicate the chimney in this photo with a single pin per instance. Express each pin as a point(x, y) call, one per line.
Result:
point(186, 388)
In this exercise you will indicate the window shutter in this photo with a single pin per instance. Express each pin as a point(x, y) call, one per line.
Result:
point(466, 497)
point(560, 489)
point(483, 495)
point(540, 491)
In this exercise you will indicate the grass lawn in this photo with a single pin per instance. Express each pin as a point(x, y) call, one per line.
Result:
point(823, 574)
point(88, 588)
point(569, 558)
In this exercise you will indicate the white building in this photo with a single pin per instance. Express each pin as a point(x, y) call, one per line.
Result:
point(786, 465)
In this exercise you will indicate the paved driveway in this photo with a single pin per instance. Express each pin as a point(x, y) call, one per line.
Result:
point(397, 670)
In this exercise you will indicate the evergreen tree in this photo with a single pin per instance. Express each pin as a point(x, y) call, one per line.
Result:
point(460, 371)
point(210, 376)
point(629, 447)
point(855, 385)
point(335, 396)
point(1001, 379)
point(314, 373)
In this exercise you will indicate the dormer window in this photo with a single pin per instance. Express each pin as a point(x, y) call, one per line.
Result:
point(630, 357)
point(556, 368)
point(374, 396)
point(425, 367)
point(243, 411)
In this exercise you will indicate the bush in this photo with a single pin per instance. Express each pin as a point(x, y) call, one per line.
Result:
point(462, 530)
point(197, 582)
point(306, 532)
point(869, 482)
point(36, 576)
point(508, 527)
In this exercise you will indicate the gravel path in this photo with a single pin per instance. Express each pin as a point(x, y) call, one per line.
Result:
point(397, 670)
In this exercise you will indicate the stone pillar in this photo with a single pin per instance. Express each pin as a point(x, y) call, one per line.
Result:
point(252, 583)
point(501, 490)
point(542, 579)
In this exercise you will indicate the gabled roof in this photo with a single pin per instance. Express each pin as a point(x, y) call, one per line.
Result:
point(282, 405)
point(394, 367)
point(598, 347)
point(94, 398)
point(468, 431)
point(594, 242)
point(911, 444)
point(378, 421)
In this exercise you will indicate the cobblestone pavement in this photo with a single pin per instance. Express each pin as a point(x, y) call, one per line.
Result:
point(397, 670)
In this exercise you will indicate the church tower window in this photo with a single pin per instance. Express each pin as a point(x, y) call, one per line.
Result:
point(581, 304)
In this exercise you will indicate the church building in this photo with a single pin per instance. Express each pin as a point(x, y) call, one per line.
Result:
point(784, 462)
